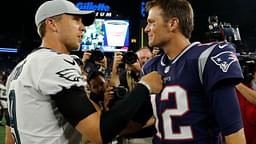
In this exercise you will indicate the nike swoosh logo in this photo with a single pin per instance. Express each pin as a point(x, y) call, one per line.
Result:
point(70, 62)
point(222, 46)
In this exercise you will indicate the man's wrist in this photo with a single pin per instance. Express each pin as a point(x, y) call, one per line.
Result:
point(145, 84)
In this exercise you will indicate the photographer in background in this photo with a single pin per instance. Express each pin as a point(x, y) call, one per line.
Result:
point(97, 87)
point(94, 61)
point(3, 99)
point(108, 93)
point(133, 134)
point(131, 75)
point(247, 98)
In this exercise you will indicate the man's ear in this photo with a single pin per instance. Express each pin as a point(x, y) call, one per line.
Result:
point(51, 24)
point(173, 24)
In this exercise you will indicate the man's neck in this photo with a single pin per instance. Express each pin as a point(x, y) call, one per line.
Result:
point(54, 44)
point(176, 46)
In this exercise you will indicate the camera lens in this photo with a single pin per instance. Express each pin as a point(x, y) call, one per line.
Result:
point(97, 55)
point(120, 92)
point(130, 58)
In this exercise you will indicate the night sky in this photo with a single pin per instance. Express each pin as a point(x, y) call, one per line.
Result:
point(18, 21)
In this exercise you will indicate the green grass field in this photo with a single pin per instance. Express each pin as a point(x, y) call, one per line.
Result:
point(2, 135)
point(2, 132)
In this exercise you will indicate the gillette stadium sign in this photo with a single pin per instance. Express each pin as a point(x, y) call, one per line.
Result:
point(102, 7)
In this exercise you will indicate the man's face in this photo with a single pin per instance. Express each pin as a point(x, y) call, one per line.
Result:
point(70, 30)
point(155, 51)
point(144, 55)
point(157, 28)
point(98, 85)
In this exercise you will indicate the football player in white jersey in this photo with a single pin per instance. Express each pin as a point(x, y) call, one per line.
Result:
point(47, 103)
point(3, 101)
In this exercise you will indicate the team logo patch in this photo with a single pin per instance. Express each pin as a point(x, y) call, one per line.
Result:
point(70, 74)
point(224, 60)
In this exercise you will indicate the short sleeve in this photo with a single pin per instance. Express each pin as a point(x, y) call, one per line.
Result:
point(60, 72)
point(222, 64)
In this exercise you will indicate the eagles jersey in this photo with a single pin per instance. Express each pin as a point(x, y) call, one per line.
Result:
point(34, 117)
point(184, 108)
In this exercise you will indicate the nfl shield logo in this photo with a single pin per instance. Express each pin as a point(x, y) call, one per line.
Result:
point(166, 70)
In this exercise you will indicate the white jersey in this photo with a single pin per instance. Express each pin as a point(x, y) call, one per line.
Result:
point(34, 117)
point(3, 98)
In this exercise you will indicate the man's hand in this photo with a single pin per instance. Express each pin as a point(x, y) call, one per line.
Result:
point(86, 56)
point(154, 81)
point(117, 60)
point(108, 96)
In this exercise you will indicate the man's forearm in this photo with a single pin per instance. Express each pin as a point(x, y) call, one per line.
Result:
point(116, 119)
point(8, 136)
point(248, 93)
point(236, 138)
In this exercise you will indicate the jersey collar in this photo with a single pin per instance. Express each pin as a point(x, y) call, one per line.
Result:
point(166, 61)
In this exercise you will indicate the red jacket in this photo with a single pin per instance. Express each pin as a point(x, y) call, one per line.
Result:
point(248, 111)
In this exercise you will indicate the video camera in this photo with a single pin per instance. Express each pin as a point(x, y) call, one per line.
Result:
point(247, 62)
point(130, 57)
point(96, 55)
point(220, 31)
point(90, 65)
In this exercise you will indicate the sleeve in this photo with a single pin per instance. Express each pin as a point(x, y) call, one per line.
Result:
point(114, 120)
point(222, 64)
point(60, 72)
point(225, 107)
point(74, 104)
point(144, 113)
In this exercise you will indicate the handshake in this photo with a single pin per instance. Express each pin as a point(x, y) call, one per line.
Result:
point(153, 81)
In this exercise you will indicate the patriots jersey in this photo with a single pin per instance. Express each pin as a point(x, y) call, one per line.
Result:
point(183, 109)
point(34, 117)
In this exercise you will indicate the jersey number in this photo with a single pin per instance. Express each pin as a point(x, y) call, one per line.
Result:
point(181, 100)
point(12, 114)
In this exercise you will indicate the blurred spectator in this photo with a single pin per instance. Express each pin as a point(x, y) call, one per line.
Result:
point(144, 54)
point(156, 51)
point(97, 87)
point(247, 99)
point(3, 99)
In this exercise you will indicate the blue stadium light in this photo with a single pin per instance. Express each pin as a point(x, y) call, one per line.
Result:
point(142, 10)
point(10, 50)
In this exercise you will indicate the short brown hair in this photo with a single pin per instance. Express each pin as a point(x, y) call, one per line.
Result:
point(181, 9)
point(41, 26)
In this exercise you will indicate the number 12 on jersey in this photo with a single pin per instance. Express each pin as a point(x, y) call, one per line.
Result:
point(167, 114)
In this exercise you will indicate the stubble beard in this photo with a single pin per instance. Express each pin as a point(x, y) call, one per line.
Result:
point(73, 47)
point(160, 44)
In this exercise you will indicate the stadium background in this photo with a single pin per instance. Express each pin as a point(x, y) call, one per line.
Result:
point(18, 30)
